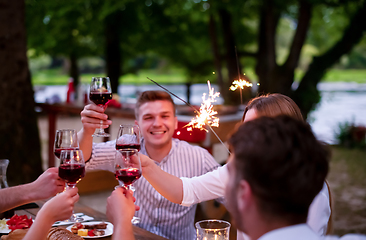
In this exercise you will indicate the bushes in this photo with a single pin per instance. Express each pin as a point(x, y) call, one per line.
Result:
point(351, 136)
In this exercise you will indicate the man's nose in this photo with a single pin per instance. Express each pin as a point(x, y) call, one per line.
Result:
point(157, 121)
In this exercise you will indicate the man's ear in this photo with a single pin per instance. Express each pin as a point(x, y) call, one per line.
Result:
point(176, 123)
point(244, 195)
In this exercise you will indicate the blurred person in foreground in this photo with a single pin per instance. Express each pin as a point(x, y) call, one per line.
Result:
point(276, 168)
point(155, 115)
point(188, 191)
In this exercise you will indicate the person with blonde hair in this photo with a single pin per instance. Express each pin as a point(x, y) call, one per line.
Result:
point(212, 185)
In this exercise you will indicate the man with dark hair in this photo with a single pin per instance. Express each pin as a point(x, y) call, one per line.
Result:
point(277, 168)
point(155, 115)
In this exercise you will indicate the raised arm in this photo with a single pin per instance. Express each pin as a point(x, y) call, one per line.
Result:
point(47, 185)
point(120, 210)
point(90, 118)
point(56, 209)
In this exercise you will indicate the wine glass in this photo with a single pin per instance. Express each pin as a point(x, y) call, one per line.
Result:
point(100, 94)
point(65, 139)
point(128, 137)
point(72, 170)
point(127, 170)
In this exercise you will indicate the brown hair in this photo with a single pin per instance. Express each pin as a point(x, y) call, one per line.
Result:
point(151, 96)
point(283, 163)
point(272, 105)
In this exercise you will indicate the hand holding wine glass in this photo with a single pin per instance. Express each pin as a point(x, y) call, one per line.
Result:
point(65, 139)
point(72, 170)
point(127, 167)
point(100, 94)
point(128, 137)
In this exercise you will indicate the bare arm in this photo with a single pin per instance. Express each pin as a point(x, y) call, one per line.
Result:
point(169, 186)
point(120, 210)
point(63, 203)
point(47, 185)
point(90, 118)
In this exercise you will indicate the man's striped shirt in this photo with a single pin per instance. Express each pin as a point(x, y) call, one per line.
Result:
point(159, 215)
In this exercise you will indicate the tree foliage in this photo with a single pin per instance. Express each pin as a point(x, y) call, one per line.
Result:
point(203, 36)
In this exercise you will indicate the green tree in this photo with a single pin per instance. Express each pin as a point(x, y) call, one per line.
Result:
point(60, 28)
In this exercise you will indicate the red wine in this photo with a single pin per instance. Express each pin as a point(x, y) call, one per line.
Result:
point(100, 98)
point(57, 151)
point(71, 173)
point(128, 146)
point(128, 176)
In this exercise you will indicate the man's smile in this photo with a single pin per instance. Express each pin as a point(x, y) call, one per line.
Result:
point(157, 132)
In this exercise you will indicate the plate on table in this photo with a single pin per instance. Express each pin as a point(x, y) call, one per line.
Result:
point(108, 230)
point(85, 217)
point(4, 229)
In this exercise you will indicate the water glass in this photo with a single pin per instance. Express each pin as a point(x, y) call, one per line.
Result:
point(213, 230)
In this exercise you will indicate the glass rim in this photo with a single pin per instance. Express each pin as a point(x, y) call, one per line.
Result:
point(197, 224)
point(66, 129)
point(100, 78)
point(128, 125)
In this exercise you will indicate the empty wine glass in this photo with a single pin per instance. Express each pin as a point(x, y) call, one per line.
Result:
point(65, 139)
point(128, 137)
point(72, 170)
point(100, 94)
point(127, 170)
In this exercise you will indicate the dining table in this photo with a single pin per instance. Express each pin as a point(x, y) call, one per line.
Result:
point(140, 234)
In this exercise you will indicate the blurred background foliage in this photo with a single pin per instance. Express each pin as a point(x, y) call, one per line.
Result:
point(186, 41)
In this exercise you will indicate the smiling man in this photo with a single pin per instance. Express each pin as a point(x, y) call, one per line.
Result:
point(155, 115)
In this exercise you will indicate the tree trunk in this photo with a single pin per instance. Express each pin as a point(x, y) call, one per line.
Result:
point(266, 56)
point(285, 74)
point(19, 138)
point(113, 49)
point(232, 62)
point(217, 57)
point(307, 94)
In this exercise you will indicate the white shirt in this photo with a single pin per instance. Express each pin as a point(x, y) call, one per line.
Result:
point(212, 185)
point(294, 232)
point(304, 232)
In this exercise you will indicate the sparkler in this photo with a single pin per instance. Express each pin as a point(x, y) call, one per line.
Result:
point(205, 116)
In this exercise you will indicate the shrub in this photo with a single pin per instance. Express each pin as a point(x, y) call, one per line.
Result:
point(351, 136)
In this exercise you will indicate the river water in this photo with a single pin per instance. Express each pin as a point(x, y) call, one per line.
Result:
point(340, 102)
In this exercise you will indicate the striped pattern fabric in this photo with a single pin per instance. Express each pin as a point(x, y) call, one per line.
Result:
point(158, 215)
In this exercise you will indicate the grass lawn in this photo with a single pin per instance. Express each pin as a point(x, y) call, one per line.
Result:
point(56, 77)
point(347, 180)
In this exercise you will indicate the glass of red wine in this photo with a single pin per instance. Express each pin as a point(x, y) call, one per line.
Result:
point(72, 170)
point(65, 139)
point(128, 137)
point(127, 170)
point(100, 94)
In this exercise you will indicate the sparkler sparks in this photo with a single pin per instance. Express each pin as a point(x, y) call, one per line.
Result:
point(240, 84)
point(206, 114)
point(216, 123)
